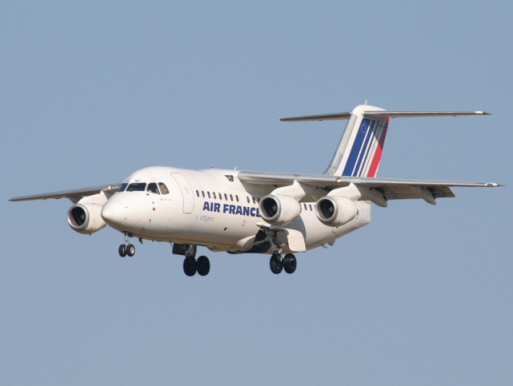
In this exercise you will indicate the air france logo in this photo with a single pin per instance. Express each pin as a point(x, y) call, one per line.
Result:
point(231, 209)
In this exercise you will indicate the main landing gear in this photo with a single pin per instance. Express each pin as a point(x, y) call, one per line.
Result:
point(191, 265)
point(288, 262)
point(126, 248)
point(277, 262)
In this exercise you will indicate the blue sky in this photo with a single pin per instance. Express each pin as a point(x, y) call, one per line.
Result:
point(91, 92)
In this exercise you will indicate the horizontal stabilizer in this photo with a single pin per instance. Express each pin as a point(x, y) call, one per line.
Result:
point(323, 117)
point(415, 114)
point(384, 114)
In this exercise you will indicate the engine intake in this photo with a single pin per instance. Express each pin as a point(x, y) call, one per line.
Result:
point(279, 210)
point(335, 211)
point(85, 218)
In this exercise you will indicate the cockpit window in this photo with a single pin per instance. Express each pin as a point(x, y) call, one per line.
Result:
point(122, 187)
point(153, 188)
point(163, 188)
point(136, 187)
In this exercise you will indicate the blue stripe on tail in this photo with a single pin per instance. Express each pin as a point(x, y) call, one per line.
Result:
point(365, 150)
point(357, 145)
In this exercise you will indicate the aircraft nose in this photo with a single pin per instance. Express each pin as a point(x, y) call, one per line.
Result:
point(114, 212)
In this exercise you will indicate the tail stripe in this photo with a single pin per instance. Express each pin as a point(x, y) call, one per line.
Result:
point(355, 150)
point(372, 150)
point(366, 149)
point(379, 151)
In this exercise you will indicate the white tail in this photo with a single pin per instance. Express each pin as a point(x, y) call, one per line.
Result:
point(361, 147)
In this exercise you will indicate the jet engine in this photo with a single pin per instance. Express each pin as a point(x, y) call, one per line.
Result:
point(279, 210)
point(335, 211)
point(85, 218)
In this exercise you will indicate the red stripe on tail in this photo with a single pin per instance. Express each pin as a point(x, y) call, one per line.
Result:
point(377, 155)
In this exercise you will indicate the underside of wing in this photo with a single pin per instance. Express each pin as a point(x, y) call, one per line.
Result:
point(74, 195)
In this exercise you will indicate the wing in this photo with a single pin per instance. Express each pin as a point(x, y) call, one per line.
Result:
point(391, 188)
point(74, 195)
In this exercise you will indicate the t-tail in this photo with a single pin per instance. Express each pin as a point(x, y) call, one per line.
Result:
point(361, 147)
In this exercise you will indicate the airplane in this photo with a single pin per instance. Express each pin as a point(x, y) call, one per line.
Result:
point(240, 212)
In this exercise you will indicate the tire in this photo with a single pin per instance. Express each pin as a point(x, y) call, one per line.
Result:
point(276, 264)
point(122, 250)
point(130, 250)
point(203, 265)
point(189, 267)
point(290, 263)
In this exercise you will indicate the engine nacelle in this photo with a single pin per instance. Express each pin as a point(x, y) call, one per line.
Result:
point(335, 211)
point(279, 210)
point(86, 218)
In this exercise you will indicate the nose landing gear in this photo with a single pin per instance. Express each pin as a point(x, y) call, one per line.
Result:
point(127, 248)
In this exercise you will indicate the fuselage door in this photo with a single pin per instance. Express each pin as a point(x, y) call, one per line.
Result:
point(185, 187)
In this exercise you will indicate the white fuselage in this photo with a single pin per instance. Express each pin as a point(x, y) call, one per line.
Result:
point(212, 208)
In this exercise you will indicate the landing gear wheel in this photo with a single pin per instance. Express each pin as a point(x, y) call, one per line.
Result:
point(276, 263)
point(290, 263)
point(189, 266)
point(203, 265)
point(130, 250)
point(122, 250)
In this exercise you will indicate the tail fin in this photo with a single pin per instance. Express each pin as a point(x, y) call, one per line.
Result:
point(360, 149)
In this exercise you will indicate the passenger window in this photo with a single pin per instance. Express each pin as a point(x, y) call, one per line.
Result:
point(305, 206)
point(247, 198)
point(254, 201)
point(237, 198)
point(136, 187)
point(208, 193)
point(153, 188)
point(122, 187)
point(310, 206)
point(214, 194)
point(225, 197)
point(220, 196)
point(197, 193)
point(203, 194)
point(231, 197)
point(258, 200)
point(163, 188)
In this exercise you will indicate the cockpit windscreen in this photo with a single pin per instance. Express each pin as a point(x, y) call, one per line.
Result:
point(136, 187)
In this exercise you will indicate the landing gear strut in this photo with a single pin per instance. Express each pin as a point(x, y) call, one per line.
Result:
point(127, 248)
